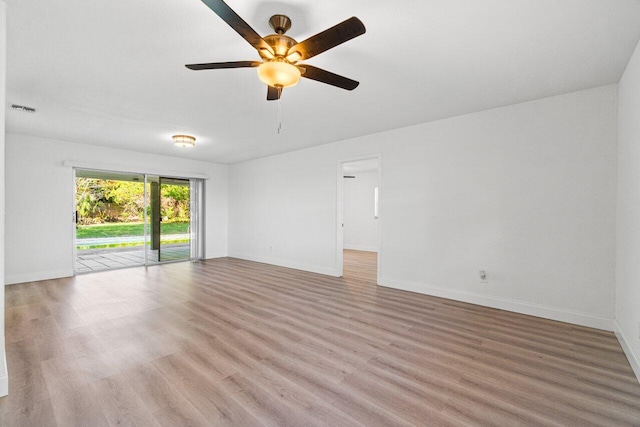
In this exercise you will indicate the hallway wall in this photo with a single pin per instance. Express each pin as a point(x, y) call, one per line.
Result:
point(628, 214)
point(360, 226)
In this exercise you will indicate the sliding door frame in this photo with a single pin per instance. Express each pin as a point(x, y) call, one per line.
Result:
point(74, 223)
point(201, 209)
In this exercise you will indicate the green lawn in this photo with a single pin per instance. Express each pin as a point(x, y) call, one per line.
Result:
point(127, 229)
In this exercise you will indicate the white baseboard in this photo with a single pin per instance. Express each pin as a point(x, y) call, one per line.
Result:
point(361, 248)
point(552, 313)
point(12, 279)
point(634, 359)
point(216, 255)
point(4, 375)
point(288, 264)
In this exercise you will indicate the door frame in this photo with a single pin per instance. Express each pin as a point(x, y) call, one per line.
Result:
point(117, 170)
point(340, 211)
point(74, 223)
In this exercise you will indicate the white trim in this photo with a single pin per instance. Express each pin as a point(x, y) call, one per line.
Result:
point(12, 279)
point(379, 219)
point(106, 167)
point(4, 374)
point(287, 264)
point(546, 312)
point(216, 255)
point(361, 248)
point(340, 218)
point(634, 359)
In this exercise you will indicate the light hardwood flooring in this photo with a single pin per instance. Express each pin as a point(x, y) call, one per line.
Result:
point(232, 342)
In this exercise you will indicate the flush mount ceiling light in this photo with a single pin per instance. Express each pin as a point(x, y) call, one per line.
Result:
point(184, 140)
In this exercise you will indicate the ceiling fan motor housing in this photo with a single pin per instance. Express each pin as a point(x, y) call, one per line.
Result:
point(279, 43)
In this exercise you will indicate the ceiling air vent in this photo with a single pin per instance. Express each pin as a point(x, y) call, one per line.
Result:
point(23, 108)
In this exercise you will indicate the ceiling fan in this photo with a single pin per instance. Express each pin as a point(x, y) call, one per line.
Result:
point(280, 54)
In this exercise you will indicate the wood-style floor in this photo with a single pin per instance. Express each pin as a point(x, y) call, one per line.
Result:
point(232, 342)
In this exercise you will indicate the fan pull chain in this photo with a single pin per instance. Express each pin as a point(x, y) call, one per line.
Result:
point(279, 111)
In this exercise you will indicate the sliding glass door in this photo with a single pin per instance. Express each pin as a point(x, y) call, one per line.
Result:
point(125, 219)
point(169, 219)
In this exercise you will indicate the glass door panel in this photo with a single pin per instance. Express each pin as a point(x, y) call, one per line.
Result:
point(153, 219)
point(109, 212)
point(175, 195)
point(168, 219)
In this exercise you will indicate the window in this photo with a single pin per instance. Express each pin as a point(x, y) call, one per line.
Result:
point(375, 203)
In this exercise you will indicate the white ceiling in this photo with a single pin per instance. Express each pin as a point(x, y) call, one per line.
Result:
point(112, 72)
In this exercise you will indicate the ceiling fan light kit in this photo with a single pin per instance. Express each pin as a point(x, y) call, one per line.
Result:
point(279, 74)
point(280, 53)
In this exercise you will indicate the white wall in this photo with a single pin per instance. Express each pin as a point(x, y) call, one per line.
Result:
point(285, 216)
point(627, 310)
point(525, 192)
point(360, 226)
point(4, 379)
point(39, 197)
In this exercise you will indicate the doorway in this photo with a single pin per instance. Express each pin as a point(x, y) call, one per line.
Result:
point(127, 219)
point(359, 216)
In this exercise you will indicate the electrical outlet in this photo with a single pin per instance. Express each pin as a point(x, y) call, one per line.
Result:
point(483, 276)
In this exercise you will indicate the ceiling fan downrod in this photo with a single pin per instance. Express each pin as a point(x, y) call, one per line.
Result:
point(280, 23)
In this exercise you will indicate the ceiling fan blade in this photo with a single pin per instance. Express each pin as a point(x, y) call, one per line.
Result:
point(230, 17)
point(273, 93)
point(323, 76)
point(327, 39)
point(220, 65)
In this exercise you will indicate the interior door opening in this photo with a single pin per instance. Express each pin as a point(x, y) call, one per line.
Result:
point(125, 220)
point(359, 213)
